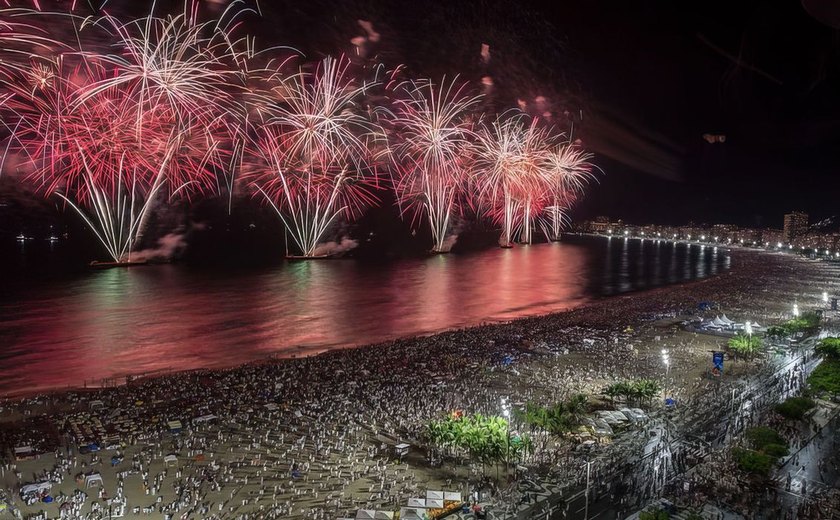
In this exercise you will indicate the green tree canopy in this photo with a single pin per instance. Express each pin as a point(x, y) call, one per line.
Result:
point(745, 346)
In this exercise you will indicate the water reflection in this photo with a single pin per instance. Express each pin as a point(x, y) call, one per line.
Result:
point(116, 322)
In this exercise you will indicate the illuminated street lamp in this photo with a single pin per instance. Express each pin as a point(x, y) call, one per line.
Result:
point(506, 415)
point(825, 297)
point(795, 310)
point(748, 328)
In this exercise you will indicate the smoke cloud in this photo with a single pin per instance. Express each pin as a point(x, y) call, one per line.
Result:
point(334, 248)
point(168, 246)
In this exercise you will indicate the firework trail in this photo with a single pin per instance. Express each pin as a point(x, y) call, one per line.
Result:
point(316, 157)
point(434, 130)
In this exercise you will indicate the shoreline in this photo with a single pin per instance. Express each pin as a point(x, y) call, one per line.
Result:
point(295, 352)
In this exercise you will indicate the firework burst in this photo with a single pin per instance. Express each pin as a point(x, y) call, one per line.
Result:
point(568, 171)
point(509, 173)
point(105, 139)
point(435, 131)
point(316, 156)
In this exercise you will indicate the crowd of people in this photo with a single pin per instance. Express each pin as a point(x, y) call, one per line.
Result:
point(312, 438)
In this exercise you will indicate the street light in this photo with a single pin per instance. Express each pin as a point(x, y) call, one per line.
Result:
point(748, 328)
point(506, 415)
point(795, 310)
point(665, 358)
point(825, 297)
point(586, 494)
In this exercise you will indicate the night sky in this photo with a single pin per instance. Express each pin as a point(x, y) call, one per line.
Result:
point(644, 80)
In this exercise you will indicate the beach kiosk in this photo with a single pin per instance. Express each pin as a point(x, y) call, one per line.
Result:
point(25, 453)
point(434, 499)
point(411, 513)
point(419, 503)
point(401, 450)
point(175, 427)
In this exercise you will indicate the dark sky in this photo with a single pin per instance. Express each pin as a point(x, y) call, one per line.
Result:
point(649, 78)
point(764, 74)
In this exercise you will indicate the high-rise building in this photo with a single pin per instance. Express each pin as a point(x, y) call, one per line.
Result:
point(796, 225)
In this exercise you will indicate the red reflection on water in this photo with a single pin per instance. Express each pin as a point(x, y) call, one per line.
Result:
point(117, 322)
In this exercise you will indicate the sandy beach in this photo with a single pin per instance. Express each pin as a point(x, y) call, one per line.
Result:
point(313, 437)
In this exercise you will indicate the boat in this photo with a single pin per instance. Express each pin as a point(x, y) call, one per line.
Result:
point(107, 265)
point(21, 237)
point(303, 257)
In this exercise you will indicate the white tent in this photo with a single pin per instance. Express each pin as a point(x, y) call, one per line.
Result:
point(171, 460)
point(37, 488)
point(717, 322)
point(410, 513)
point(435, 495)
point(416, 502)
point(726, 320)
point(434, 503)
point(94, 479)
point(454, 497)
point(365, 514)
point(384, 515)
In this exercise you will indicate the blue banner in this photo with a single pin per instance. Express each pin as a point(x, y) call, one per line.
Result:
point(717, 364)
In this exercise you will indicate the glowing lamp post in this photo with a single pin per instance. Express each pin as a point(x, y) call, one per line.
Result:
point(506, 415)
point(825, 297)
point(795, 310)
